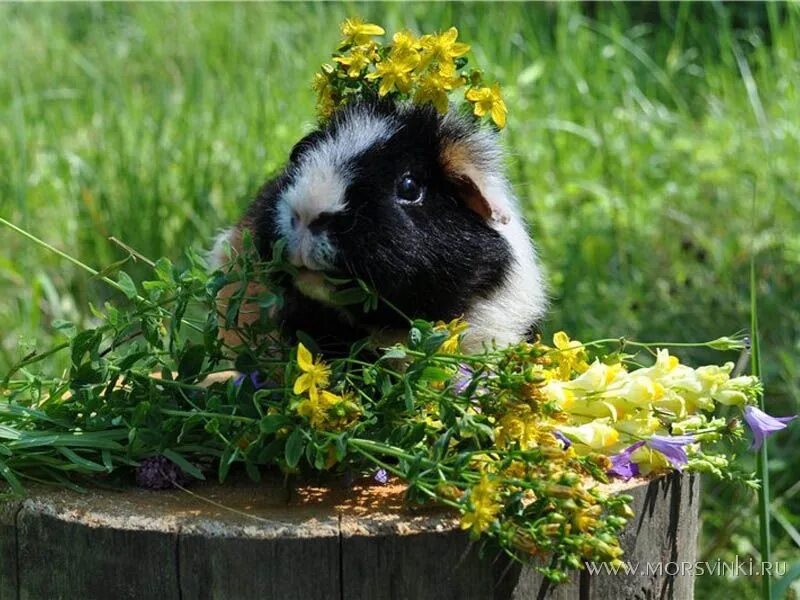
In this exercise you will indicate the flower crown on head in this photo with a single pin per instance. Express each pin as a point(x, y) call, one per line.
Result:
point(422, 69)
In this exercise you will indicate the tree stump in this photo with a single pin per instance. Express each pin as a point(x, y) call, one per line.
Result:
point(250, 541)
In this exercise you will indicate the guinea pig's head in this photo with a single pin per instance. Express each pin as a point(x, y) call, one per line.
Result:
point(416, 204)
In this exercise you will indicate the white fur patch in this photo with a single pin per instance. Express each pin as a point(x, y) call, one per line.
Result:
point(506, 316)
point(320, 184)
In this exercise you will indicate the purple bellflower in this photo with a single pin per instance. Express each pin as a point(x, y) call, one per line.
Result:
point(565, 441)
point(254, 379)
point(763, 425)
point(673, 447)
point(621, 464)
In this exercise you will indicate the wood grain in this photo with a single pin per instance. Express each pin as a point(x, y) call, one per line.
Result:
point(8, 550)
point(317, 541)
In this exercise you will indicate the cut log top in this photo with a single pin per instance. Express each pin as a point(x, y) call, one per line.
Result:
point(245, 540)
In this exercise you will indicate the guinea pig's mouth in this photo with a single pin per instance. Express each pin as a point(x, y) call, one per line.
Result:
point(314, 285)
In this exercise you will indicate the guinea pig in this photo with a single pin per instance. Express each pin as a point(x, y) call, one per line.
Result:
point(416, 204)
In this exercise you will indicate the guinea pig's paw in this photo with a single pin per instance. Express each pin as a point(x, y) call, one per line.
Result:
point(314, 285)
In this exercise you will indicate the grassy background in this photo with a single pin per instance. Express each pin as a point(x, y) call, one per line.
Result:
point(640, 138)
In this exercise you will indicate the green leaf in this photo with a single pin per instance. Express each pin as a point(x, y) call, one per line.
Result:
point(65, 327)
point(163, 269)
point(126, 285)
point(105, 456)
point(8, 433)
point(109, 270)
point(252, 471)
point(229, 456)
point(396, 353)
point(12, 479)
point(76, 459)
point(348, 296)
point(85, 341)
point(408, 395)
point(431, 373)
point(191, 362)
point(271, 423)
point(341, 447)
point(320, 457)
point(295, 445)
point(270, 451)
point(184, 464)
point(781, 587)
point(431, 344)
point(246, 362)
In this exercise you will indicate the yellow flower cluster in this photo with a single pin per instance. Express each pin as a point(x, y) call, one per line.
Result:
point(323, 409)
point(483, 506)
point(422, 69)
point(454, 328)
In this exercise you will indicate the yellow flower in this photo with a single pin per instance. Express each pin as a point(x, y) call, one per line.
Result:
point(316, 374)
point(455, 328)
point(641, 426)
point(325, 100)
point(329, 411)
point(358, 59)
point(395, 72)
point(558, 391)
point(432, 89)
point(518, 425)
point(649, 460)
point(489, 101)
point(586, 519)
point(357, 32)
point(315, 409)
point(483, 506)
point(596, 435)
point(404, 42)
point(643, 391)
point(441, 48)
point(571, 355)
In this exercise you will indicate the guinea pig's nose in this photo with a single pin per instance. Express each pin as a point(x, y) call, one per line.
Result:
point(320, 223)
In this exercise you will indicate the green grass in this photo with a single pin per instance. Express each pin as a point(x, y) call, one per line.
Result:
point(637, 137)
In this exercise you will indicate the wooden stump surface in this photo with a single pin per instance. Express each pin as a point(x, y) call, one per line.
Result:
point(263, 541)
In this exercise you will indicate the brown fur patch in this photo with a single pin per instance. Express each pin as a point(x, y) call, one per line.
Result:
point(456, 158)
point(249, 312)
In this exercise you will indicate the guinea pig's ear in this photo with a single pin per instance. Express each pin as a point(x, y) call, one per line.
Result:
point(481, 190)
point(304, 145)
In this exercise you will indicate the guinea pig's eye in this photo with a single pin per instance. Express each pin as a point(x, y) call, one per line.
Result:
point(408, 190)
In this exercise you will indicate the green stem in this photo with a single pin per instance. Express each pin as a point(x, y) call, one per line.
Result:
point(762, 458)
point(424, 487)
point(82, 265)
point(31, 360)
point(211, 415)
point(62, 254)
